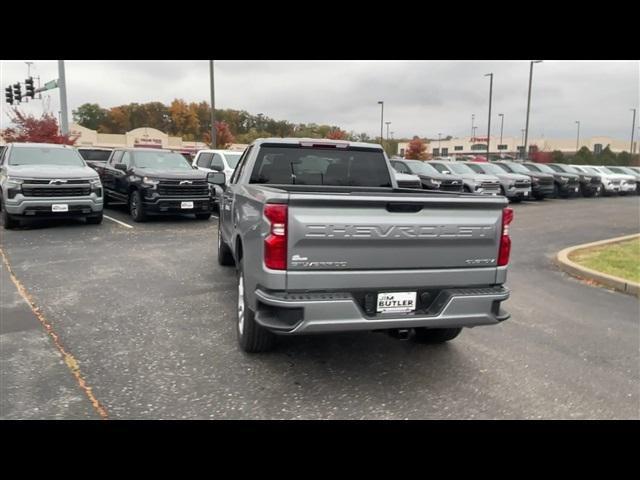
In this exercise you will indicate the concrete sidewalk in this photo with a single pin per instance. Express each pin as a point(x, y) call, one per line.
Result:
point(35, 383)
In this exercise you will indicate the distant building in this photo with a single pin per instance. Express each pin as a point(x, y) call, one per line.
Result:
point(514, 146)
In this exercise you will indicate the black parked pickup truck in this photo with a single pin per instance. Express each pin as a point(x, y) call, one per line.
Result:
point(590, 184)
point(565, 185)
point(153, 181)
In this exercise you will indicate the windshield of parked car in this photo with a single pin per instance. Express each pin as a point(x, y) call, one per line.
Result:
point(459, 168)
point(557, 168)
point(605, 170)
point(95, 155)
point(489, 168)
point(295, 165)
point(617, 170)
point(45, 156)
point(160, 160)
point(515, 167)
point(420, 168)
point(232, 159)
point(543, 168)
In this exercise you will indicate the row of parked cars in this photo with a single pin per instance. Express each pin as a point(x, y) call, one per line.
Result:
point(517, 181)
point(45, 180)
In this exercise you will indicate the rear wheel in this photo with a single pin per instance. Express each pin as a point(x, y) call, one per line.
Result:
point(252, 337)
point(435, 335)
point(135, 207)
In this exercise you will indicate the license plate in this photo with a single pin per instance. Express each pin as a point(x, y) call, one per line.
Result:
point(186, 205)
point(59, 207)
point(526, 194)
point(394, 302)
point(576, 189)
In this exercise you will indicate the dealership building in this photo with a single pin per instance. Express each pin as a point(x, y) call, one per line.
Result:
point(514, 146)
point(144, 137)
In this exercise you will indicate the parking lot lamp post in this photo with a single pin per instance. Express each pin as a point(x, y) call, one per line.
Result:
point(523, 142)
point(439, 149)
point(526, 129)
point(213, 103)
point(387, 124)
point(578, 137)
point(501, 115)
point(633, 128)
point(62, 85)
point(490, 75)
point(381, 103)
point(473, 118)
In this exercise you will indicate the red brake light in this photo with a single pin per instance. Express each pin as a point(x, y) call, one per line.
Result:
point(275, 245)
point(505, 240)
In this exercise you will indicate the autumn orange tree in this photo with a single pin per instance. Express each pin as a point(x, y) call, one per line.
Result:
point(336, 134)
point(224, 138)
point(416, 150)
point(29, 128)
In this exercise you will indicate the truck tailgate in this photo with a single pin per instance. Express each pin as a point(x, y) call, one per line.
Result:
point(356, 231)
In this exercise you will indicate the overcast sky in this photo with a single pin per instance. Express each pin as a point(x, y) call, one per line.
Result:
point(421, 97)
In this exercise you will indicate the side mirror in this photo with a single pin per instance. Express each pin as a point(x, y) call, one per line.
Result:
point(120, 166)
point(217, 178)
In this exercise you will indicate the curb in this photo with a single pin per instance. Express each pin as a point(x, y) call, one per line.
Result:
point(611, 281)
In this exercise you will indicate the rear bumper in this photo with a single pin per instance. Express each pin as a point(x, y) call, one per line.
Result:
point(293, 314)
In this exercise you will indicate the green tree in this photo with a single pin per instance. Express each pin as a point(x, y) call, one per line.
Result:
point(558, 157)
point(583, 157)
point(90, 115)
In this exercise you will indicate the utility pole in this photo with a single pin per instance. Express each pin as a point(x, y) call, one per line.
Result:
point(526, 130)
point(633, 128)
point(501, 115)
point(523, 130)
point(387, 124)
point(62, 84)
point(213, 106)
point(473, 117)
point(439, 149)
point(381, 103)
point(490, 75)
point(578, 137)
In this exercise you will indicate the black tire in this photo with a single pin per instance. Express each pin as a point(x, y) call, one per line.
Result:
point(203, 216)
point(9, 221)
point(225, 257)
point(105, 199)
point(466, 189)
point(556, 191)
point(136, 210)
point(95, 219)
point(539, 196)
point(252, 338)
point(435, 335)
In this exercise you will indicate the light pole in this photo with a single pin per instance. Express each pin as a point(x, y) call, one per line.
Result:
point(578, 137)
point(387, 124)
point(213, 107)
point(62, 84)
point(523, 130)
point(381, 103)
point(439, 149)
point(490, 75)
point(501, 115)
point(633, 128)
point(473, 131)
point(526, 130)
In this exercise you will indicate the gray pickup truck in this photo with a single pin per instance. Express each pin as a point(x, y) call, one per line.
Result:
point(323, 240)
point(46, 180)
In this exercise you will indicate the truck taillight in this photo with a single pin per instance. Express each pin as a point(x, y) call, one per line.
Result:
point(275, 245)
point(505, 241)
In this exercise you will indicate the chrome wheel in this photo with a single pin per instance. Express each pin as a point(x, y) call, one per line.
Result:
point(240, 304)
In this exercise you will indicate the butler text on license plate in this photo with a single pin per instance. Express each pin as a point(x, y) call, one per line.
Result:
point(396, 302)
point(186, 205)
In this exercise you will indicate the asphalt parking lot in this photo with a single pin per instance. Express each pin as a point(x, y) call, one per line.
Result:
point(138, 323)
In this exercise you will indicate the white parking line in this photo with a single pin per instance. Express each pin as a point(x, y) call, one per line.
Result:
point(118, 221)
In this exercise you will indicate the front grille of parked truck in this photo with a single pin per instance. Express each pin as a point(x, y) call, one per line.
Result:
point(188, 188)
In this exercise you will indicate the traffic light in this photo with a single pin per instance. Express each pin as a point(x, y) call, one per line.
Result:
point(28, 87)
point(17, 93)
point(8, 95)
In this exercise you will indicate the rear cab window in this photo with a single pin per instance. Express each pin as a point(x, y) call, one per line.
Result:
point(320, 165)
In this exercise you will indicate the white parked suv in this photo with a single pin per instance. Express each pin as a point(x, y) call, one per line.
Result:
point(217, 161)
point(612, 182)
